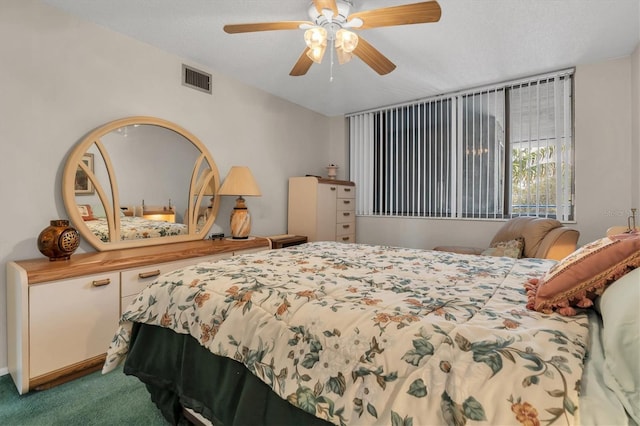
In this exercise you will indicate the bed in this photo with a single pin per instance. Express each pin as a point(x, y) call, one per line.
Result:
point(134, 228)
point(131, 227)
point(331, 333)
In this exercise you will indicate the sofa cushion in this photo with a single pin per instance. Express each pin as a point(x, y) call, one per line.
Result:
point(532, 229)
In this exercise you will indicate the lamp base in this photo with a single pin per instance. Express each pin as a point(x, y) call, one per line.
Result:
point(240, 220)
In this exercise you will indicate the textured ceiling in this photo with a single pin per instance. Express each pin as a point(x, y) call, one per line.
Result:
point(475, 42)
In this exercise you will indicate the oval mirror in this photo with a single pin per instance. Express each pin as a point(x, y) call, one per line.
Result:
point(140, 181)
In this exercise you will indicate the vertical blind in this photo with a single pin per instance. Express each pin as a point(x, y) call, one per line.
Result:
point(541, 140)
point(492, 152)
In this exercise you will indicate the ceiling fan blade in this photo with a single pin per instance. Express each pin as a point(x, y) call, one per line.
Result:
point(372, 57)
point(264, 26)
point(417, 13)
point(302, 66)
point(326, 4)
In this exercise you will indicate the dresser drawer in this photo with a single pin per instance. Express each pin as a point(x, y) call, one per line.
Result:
point(133, 281)
point(71, 320)
point(345, 204)
point(345, 191)
point(345, 229)
point(347, 238)
point(345, 216)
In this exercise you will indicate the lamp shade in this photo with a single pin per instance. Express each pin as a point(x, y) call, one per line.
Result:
point(240, 182)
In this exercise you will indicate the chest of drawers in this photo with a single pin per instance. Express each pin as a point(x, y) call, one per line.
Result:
point(322, 209)
point(61, 316)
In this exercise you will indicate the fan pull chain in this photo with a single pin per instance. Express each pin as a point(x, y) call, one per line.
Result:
point(333, 47)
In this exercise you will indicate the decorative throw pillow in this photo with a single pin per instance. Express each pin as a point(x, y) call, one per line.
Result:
point(511, 248)
point(583, 275)
point(86, 212)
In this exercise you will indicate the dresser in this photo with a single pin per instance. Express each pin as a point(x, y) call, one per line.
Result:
point(62, 315)
point(322, 209)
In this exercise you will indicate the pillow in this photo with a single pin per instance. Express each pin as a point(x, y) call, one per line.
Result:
point(578, 278)
point(86, 212)
point(618, 307)
point(511, 248)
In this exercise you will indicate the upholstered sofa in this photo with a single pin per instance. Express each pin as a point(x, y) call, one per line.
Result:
point(543, 238)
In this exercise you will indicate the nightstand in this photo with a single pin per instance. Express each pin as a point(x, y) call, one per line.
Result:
point(159, 213)
point(286, 240)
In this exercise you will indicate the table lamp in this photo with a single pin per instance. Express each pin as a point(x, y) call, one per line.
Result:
point(240, 182)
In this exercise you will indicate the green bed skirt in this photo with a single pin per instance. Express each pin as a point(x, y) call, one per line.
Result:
point(178, 371)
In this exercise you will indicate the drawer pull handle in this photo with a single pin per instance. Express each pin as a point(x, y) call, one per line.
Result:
point(149, 274)
point(347, 202)
point(333, 188)
point(347, 190)
point(100, 283)
point(345, 226)
point(346, 214)
point(345, 238)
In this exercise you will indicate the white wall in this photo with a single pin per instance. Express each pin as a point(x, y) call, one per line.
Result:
point(604, 145)
point(606, 156)
point(61, 77)
point(339, 146)
point(635, 129)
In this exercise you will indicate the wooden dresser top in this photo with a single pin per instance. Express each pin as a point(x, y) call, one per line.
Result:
point(42, 269)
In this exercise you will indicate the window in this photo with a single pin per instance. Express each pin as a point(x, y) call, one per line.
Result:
point(494, 152)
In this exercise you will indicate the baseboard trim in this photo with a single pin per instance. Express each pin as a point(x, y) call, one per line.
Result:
point(4, 371)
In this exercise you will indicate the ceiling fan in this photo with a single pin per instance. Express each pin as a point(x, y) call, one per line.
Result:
point(331, 22)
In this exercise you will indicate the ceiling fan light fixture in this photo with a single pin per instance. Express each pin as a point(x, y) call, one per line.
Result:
point(316, 53)
point(343, 56)
point(346, 40)
point(315, 37)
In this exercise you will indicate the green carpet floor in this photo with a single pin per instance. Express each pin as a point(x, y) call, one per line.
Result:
point(96, 399)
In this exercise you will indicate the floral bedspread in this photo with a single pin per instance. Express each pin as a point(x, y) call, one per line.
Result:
point(135, 228)
point(359, 334)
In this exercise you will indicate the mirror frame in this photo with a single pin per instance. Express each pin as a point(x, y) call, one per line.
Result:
point(112, 206)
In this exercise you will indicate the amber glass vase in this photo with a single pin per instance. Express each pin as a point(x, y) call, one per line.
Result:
point(59, 240)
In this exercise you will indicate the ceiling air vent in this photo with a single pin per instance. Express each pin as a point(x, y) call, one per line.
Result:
point(196, 79)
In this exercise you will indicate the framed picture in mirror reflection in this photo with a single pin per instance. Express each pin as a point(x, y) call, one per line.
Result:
point(83, 184)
